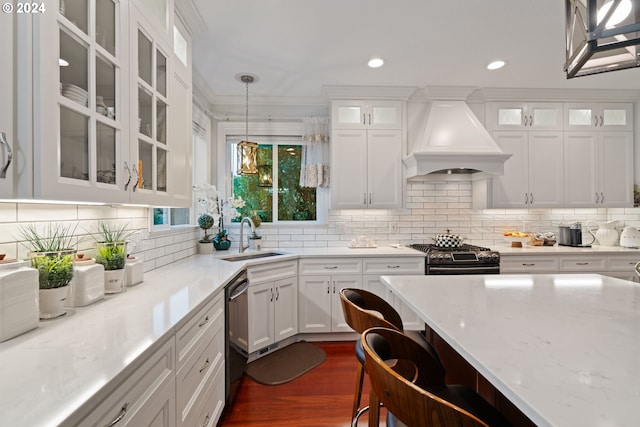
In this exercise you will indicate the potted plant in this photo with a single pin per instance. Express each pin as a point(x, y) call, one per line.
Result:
point(205, 244)
point(111, 252)
point(207, 197)
point(51, 253)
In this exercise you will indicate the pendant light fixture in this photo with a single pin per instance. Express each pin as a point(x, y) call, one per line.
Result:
point(601, 36)
point(247, 151)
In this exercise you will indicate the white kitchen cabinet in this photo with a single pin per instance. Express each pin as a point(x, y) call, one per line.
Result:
point(524, 116)
point(360, 114)
point(200, 356)
point(622, 266)
point(272, 304)
point(373, 268)
point(146, 398)
point(534, 174)
point(8, 50)
point(80, 104)
point(320, 309)
point(527, 264)
point(88, 79)
point(320, 281)
point(366, 169)
point(598, 116)
point(598, 169)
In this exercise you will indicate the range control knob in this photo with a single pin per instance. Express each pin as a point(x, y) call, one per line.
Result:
point(495, 256)
point(447, 257)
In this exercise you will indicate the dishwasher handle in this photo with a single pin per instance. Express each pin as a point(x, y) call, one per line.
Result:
point(238, 289)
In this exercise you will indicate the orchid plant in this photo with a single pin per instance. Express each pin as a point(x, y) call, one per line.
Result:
point(207, 197)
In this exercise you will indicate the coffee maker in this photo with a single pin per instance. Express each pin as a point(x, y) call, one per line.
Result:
point(571, 235)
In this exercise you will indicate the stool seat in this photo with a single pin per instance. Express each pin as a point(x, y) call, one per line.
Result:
point(363, 310)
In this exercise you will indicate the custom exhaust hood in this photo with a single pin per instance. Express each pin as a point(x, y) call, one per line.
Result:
point(454, 141)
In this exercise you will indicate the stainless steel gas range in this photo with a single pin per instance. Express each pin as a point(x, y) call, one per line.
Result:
point(466, 259)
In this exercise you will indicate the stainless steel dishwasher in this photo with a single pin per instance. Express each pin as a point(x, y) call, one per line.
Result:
point(236, 321)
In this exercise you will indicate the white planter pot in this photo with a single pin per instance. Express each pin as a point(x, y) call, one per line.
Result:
point(52, 302)
point(205, 248)
point(255, 244)
point(114, 281)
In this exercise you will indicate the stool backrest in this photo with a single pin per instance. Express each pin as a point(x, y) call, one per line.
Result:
point(399, 371)
point(363, 310)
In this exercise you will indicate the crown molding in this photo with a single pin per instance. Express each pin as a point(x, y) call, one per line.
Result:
point(367, 92)
point(190, 16)
point(559, 95)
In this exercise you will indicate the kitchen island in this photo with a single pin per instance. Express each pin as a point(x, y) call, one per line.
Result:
point(562, 348)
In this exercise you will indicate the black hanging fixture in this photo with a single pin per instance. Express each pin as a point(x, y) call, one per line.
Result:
point(601, 36)
point(247, 151)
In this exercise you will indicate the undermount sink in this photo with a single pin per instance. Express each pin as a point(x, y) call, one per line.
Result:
point(255, 255)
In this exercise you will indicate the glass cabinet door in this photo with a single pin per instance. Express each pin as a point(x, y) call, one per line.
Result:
point(153, 110)
point(89, 149)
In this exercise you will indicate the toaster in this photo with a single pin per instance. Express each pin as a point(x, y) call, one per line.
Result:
point(630, 237)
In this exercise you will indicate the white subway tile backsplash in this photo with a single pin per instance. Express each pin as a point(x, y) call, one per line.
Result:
point(45, 212)
point(8, 212)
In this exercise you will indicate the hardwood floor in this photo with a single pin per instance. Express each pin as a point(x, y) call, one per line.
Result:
point(322, 397)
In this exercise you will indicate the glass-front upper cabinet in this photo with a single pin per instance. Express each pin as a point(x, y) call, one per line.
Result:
point(356, 114)
point(77, 143)
point(599, 116)
point(525, 116)
point(150, 52)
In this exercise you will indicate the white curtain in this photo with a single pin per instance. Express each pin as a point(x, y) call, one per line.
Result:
point(314, 170)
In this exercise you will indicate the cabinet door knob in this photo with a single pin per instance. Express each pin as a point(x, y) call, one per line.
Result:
point(5, 143)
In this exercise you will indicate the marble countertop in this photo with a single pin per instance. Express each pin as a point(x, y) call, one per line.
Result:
point(563, 348)
point(61, 368)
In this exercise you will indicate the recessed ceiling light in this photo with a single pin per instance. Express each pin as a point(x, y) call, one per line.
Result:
point(375, 63)
point(62, 62)
point(496, 65)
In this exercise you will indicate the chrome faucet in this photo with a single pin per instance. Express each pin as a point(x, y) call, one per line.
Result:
point(241, 246)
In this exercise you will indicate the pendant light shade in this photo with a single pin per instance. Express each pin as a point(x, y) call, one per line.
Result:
point(601, 36)
point(247, 151)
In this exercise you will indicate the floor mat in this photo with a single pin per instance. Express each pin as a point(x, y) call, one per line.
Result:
point(286, 364)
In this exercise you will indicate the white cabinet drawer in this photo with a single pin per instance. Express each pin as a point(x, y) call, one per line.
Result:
point(272, 271)
point(581, 263)
point(148, 383)
point(528, 264)
point(330, 266)
point(191, 333)
point(395, 265)
point(622, 263)
point(207, 411)
point(198, 369)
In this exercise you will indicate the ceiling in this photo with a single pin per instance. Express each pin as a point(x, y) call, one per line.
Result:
point(296, 47)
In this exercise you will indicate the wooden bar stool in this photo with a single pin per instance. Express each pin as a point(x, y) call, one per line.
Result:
point(363, 310)
point(409, 381)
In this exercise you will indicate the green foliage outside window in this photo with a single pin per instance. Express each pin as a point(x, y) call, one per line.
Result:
point(294, 202)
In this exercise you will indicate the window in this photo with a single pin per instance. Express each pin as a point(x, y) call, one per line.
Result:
point(279, 160)
point(165, 218)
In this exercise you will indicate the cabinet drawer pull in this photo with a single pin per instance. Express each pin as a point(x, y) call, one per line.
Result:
point(330, 267)
point(334, 286)
point(393, 266)
point(204, 322)
point(526, 198)
point(328, 287)
point(205, 366)
point(3, 141)
point(528, 264)
point(271, 290)
point(582, 263)
point(364, 200)
point(597, 198)
point(123, 412)
point(137, 183)
point(277, 293)
point(601, 197)
point(207, 418)
point(531, 199)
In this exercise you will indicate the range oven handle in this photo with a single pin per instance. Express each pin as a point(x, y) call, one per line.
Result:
point(461, 269)
point(238, 289)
